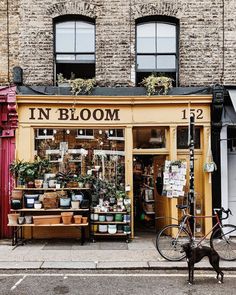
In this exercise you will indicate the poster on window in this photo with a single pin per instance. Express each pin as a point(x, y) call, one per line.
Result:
point(174, 179)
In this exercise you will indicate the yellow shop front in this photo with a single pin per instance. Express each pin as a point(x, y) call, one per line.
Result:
point(124, 141)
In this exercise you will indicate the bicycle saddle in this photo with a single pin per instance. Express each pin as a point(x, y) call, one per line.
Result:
point(182, 206)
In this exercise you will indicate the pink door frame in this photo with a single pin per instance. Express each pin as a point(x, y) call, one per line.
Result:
point(8, 124)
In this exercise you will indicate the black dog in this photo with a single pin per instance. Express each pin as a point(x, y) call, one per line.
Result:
point(194, 255)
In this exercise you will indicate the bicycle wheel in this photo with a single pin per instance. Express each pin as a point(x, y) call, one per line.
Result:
point(223, 241)
point(169, 241)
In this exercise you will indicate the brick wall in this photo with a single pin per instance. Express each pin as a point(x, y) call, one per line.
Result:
point(201, 38)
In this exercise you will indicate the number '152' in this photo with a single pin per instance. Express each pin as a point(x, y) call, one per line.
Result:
point(198, 113)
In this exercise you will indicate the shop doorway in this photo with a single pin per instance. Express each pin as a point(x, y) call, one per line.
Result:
point(148, 200)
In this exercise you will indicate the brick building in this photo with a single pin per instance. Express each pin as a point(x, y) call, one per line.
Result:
point(118, 43)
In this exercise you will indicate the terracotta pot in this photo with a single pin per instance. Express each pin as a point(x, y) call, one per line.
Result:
point(66, 217)
point(78, 219)
point(84, 219)
point(38, 183)
point(12, 218)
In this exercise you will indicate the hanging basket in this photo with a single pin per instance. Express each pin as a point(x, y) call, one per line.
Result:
point(209, 167)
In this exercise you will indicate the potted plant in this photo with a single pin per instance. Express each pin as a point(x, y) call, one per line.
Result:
point(88, 181)
point(15, 167)
point(65, 178)
point(157, 84)
point(43, 166)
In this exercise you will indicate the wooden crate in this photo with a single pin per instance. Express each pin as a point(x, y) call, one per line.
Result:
point(47, 219)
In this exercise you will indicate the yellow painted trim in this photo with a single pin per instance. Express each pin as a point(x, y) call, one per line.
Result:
point(109, 100)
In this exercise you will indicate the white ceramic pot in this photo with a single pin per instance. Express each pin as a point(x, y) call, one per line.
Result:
point(102, 228)
point(75, 204)
point(37, 205)
point(112, 228)
point(94, 216)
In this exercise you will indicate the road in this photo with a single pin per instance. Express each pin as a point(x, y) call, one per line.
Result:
point(136, 282)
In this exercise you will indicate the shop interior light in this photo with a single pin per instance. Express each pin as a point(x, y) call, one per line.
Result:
point(67, 131)
point(54, 131)
point(111, 131)
point(100, 131)
point(45, 131)
point(81, 131)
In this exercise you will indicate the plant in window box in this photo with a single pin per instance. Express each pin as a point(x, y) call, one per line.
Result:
point(157, 85)
point(61, 81)
point(82, 86)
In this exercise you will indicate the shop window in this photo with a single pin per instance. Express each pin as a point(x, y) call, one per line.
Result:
point(84, 151)
point(183, 138)
point(85, 133)
point(116, 134)
point(149, 137)
point(44, 133)
point(75, 48)
point(156, 48)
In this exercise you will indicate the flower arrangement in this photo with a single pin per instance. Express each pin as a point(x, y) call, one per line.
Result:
point(157, 85)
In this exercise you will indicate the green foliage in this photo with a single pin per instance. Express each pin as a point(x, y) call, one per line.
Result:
point(29, 171)
point(157, 85)
point(78, 85)
point(82, 86)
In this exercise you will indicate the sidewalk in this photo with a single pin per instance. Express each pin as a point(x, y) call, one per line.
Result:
point(69, 254)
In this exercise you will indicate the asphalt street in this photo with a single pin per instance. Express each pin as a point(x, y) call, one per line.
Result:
point(113, 282)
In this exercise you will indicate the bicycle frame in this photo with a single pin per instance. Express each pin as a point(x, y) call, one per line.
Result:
point(185, 221)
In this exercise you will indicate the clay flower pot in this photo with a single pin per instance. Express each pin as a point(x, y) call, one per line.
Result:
point(67, 217)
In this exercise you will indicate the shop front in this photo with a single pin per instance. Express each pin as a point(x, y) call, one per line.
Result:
point(124, 146)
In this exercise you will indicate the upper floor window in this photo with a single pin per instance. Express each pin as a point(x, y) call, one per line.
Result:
point(156, 47)
point(75, 49)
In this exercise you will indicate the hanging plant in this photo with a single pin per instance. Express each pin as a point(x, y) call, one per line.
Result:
point(157, 85)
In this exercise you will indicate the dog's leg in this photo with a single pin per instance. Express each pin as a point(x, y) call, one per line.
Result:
point(191, 269)
point(215, 261)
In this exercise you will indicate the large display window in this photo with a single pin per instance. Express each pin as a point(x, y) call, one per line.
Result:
point(84, 152)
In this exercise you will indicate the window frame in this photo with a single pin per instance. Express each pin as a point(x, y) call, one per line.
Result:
point(156, 20)
point(73, 18)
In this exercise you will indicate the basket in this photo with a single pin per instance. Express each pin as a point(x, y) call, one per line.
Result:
point(66, 217)
point(47, 219)
point(50, 201)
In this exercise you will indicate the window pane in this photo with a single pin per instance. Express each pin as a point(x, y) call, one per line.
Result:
point(182, 138)
point(65, 57)
point(166, 62)
point(65, 37)
point(146, 38)
point(166, 45)
point(145, 62)
point(85, 37)
point(149, 137)
point(85, 57)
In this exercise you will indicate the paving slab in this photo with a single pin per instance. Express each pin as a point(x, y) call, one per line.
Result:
point(68, 265)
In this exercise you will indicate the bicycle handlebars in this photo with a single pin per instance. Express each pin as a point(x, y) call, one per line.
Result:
point(222, 210)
